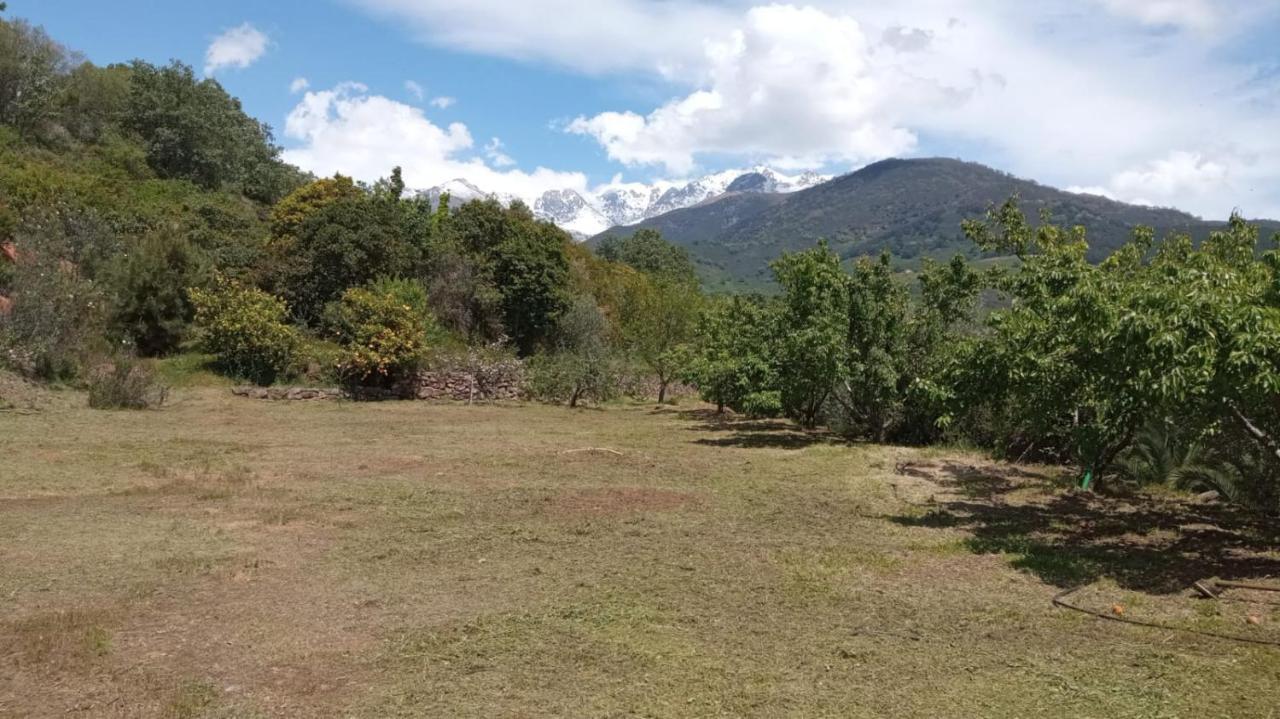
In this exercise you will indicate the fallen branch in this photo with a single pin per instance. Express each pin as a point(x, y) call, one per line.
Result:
point(592, 449)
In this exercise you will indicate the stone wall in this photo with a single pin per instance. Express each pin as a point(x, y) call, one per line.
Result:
point(443, 385)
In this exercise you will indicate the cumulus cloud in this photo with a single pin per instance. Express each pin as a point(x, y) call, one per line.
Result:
point(494, 151)
point(1090, 94)
point(238, 47)
point(298, 85)
point(794, 86)
point(347, 129)
point(415, 89)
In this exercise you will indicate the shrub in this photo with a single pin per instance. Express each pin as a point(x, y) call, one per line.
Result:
point(151, 306)
point(244, 328)
point(55, 322)
point(383, 337)
point(126, 383)
point(582, 365)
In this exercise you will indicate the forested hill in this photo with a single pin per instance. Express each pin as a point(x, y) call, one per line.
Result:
point(912, 208)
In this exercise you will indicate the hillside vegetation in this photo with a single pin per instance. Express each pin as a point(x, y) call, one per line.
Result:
point(909, 208)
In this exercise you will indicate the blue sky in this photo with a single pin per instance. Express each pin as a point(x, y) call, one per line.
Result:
point(1169, 102)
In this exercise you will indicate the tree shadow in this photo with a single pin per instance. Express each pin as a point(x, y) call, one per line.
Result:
point(1067, 537)
point(752, 433)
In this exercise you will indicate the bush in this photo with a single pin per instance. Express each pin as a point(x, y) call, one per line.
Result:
point(126, 383)
point(56, 320)
point(384, 338)
point(244, 328)
point(151, 306)
point(582, 365)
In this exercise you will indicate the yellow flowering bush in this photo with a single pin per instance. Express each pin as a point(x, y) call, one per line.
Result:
point(245, 329)
point(383, 337)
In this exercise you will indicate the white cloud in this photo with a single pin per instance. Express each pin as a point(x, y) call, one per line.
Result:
point(298, 85)
point(795, 86)
point(238, 47)
point(494, 151)
point(594, 37)
point(415, 89)
point(443, 102)
point(1089, 94)
point(346, 129)
point(1192, 14)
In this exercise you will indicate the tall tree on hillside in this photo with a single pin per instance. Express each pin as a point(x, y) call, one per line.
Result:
point(647, 251)
point(32, 67)
point(194, 130)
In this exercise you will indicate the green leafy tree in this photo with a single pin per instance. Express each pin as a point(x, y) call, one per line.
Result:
point(194, 130)
point(814, 322)
point(647, 251)
point(32, 67)
point(732, 362)
point(658, 321)
point(531, 273)
point(344, 244)
point(1087, 355)
point(581, 364)
point(873, 390)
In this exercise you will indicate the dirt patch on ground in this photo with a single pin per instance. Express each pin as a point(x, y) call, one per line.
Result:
point(616, 500)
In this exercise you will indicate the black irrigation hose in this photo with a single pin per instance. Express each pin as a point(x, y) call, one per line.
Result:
point(1059, 601)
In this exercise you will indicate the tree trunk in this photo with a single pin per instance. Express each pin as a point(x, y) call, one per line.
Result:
point(1261, 437)
point(662, 391)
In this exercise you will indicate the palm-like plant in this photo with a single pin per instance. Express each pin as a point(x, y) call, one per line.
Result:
point(1157, 457)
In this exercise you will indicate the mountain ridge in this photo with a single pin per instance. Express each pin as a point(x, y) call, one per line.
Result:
point(910, 207)
point(622, 204)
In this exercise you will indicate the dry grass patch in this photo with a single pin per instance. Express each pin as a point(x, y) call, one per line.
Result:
point(225, 557)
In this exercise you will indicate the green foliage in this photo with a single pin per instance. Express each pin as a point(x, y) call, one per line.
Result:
point(382, 333)
point(658, 321)
point(93, 100)
point(292, 211)
point(151, 308)
point(194, 130)
point(581, 365)
point(1086, 355)
point(127, 383)
point(814, 324)
point(733, 359)
point(1158, 457)
point(58, 318)
point(532, 275)
point(647, 252)
point(245, 329)
point(343, 244)
point(31, 69)
point(878, 340)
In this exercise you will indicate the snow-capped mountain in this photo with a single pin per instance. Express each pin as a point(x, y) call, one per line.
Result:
point(626, 203)
point(571, 212)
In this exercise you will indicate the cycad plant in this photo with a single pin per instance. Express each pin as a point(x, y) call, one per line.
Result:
point(1158, 457)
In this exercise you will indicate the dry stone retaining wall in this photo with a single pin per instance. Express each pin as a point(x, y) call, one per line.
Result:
point(454, 385)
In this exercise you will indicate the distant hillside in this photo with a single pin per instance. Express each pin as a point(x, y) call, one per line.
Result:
point(913, 208)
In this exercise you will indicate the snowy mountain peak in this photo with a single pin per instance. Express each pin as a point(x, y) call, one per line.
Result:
point(626, 203)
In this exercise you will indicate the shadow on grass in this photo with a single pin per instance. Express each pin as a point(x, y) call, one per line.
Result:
point(753, 433)
point(1068, 538)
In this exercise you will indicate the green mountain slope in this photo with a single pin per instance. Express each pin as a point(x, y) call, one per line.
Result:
point(913, 208)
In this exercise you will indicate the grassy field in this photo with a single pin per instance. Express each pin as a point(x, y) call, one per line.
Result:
point(226, 557)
